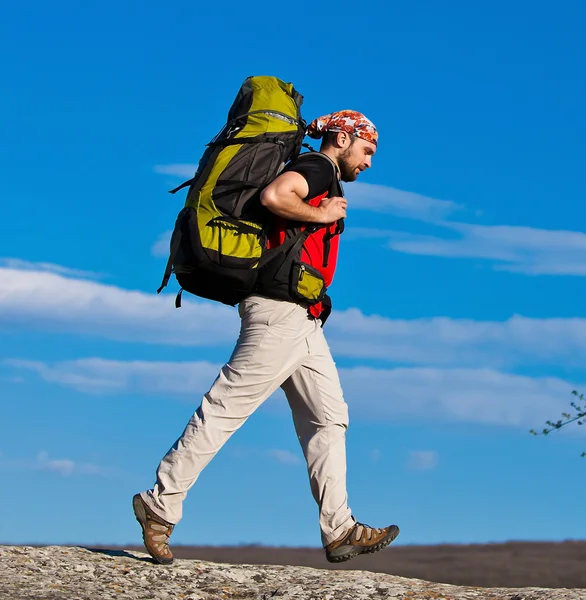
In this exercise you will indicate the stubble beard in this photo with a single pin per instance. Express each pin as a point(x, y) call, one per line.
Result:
point(347, 169)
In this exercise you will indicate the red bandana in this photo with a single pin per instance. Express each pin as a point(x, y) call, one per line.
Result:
point(349, 121)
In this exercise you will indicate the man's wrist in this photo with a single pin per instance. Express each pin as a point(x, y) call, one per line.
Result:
point(319, 215)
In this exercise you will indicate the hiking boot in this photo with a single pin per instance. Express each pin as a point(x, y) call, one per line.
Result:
point(155, 531)
point(360, 539)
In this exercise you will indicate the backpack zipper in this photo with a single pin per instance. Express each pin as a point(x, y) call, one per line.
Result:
point(301, 272)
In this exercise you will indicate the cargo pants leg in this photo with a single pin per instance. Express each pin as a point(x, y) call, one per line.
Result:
point(320, 415)
point(271, 346)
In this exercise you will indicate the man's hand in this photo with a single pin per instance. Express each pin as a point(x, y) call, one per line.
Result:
point(332, 209)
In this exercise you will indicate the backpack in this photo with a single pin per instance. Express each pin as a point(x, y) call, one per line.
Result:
point(219, 240)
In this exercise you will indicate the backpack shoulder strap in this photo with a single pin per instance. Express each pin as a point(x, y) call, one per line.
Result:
point(336, 188)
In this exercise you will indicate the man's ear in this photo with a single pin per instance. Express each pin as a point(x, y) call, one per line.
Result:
point(342, 138)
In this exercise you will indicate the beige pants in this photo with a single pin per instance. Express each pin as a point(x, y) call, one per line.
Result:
point(279, 345)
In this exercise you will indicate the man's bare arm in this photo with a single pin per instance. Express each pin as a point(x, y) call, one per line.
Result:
point(284, 197)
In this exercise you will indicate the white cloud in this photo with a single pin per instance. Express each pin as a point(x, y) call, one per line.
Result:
point(462, 342)
point(60, 466)
point(161, 246)
point(385, 199)
point(517, 249)
point(100, 376)
point(180, 170)
point(48, 301)
point(25, 265)
point(423, 460)
point(285, 457)
point(456, 395)
point(390, 395)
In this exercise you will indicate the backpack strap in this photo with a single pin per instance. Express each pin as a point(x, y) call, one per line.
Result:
point(238, 225)
point(180, 187)
point(247, 140)
point(336, 189)
point(175, 243)
point(290, 244)
point(326, 309)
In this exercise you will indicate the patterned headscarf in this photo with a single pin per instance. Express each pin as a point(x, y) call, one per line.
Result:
point(349, 121)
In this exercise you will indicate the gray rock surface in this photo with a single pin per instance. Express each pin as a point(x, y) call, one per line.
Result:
point(56, 572)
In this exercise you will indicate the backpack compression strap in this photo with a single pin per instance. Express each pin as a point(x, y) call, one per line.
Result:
point(175, 243)
point(258, 139)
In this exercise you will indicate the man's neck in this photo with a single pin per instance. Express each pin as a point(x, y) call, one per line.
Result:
point(330, 153)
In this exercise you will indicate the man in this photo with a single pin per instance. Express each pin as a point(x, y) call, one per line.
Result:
point(281, 344)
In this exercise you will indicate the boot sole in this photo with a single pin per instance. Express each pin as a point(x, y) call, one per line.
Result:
point(141, 517)
point(355, 551)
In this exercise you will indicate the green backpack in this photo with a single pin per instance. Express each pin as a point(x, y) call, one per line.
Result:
point(219, 240)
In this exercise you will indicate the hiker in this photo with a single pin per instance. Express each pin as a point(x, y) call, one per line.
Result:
point(282, 344)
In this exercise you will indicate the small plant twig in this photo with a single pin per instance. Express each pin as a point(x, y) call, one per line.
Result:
point(567, 418)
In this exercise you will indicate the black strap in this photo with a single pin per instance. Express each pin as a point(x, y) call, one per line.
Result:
point(326, 309)
point(295, 243)
point(178, 299)
point(247, 140)
point(289, 243)
point(200, 177)
point(184, 184)
point(176, 240)
point(239, 225)
point(327, 237)
point(336, 188)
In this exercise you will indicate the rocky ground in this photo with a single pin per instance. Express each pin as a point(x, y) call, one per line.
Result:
point(58, 573)
point(505, 564)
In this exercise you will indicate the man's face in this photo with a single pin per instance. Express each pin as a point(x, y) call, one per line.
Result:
point(356, 157)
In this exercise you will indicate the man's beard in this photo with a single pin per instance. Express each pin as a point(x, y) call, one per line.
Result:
point(347, 170)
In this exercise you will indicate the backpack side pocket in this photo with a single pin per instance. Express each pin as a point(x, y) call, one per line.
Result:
point(306, 283)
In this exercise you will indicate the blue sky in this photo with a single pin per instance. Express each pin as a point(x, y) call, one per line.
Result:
point(459, 317)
